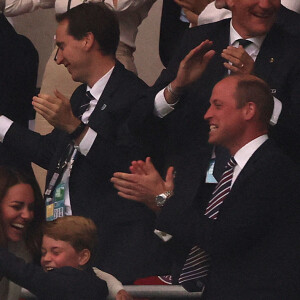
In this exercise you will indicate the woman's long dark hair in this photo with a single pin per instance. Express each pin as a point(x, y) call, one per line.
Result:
point(10, 177)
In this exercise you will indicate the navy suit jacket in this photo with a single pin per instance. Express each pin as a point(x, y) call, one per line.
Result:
point(184, 133)
point(125, 227)
point(61, 283)
point(254, 243)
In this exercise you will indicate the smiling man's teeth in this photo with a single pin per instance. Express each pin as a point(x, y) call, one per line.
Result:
point(49, 268)
point(212, 127)
point(17, 225)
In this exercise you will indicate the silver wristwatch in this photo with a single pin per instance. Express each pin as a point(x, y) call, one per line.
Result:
point(161, 199)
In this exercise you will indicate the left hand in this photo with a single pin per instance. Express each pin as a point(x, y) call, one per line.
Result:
point(123, 295)
point(242, 63)
point(144, 183)
point(56, 110)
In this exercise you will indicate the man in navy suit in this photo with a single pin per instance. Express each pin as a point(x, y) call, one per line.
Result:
point(87, 37)
point(254, 240)
point(206, 55)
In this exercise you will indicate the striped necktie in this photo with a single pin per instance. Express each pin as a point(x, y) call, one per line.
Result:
point(196, 266)
point(85, 104)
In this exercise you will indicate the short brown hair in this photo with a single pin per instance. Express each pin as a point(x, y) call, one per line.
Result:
point(253, 89)
point(96, 18)
point(79, 231)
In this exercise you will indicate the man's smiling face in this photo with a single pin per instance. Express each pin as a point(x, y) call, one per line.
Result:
point(252, 18)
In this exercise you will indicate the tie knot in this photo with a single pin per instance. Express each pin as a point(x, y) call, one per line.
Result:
point(89, 96)
point(231, 163)
point(244, 43)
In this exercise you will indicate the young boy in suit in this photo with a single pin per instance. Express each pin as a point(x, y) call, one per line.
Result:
point(68, 249)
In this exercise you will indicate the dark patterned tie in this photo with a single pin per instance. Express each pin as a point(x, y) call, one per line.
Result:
point(244, 43)
point(85, 104)
point(196, 265)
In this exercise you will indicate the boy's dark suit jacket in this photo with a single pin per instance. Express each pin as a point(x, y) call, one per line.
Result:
point(125, 227)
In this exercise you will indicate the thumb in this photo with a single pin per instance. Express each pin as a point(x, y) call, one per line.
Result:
point(170, 179)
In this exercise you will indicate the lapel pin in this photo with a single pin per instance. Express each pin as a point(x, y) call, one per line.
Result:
point(272, 60)
point(273, 91)
point(103, 106)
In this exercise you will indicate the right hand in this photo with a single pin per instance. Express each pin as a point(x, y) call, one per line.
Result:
point(144, 183)
point(193, 65)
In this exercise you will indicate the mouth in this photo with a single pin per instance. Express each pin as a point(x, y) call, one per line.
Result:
point(263, 15)
point(18, 226)
point(48, 269)
point(213, 127)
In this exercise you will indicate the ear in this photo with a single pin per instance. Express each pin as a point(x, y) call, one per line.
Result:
point(88, 40)
point(249, 110)
point(84, 257)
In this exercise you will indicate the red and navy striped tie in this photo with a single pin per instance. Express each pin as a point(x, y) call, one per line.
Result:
point(196, 265)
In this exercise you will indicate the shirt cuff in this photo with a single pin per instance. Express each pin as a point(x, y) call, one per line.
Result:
point(161, 106)
point(163, 235)
point(276, 111)
point(87, 141)
point(5, 124)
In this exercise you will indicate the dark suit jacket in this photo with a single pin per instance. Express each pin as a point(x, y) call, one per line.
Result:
point(184, 132)
point(171, 30)
point(125, 227)
point(254, 243)
point(18, 75)
point(62, 283)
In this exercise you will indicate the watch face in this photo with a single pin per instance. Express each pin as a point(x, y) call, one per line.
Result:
point(160, 200)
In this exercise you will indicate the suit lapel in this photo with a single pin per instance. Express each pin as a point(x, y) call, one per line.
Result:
point(106, 102)
point(269, 55)
point(251, 168)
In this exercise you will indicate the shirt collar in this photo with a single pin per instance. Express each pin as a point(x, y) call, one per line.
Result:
point(243, 155)
point(234, 36)
point(98, 87)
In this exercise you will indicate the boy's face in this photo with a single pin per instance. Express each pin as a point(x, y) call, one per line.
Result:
point(57, 254)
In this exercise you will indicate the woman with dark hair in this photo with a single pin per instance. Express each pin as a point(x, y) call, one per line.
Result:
point(21, 215)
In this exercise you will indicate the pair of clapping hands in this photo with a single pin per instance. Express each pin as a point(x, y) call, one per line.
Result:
point(143, 183)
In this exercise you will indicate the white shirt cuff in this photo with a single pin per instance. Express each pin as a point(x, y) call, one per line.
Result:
point(163, 235)
point(5, 124)
point(276, 111)
point(87, 141)
point(161, 106)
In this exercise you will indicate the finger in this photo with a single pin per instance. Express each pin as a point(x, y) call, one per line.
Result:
point(59, 95)
point(232, 68)
point(43, 110)
point(208, 56)
point(130, 197)
point(170, 178)
point(127, 191)
point(199, 50)
point(234, 60)
point(125, 176)
point(137, 168)
point(148, 166)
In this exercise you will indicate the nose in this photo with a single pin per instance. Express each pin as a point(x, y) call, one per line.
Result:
point(46, 257)
point(27, 214)
point(208, 114)
point(267, 3)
